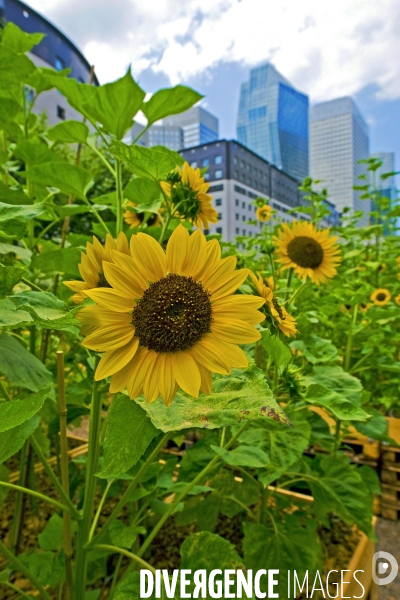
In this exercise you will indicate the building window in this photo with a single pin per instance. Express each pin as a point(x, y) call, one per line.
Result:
point(194, 164)
point(249, 206)
point(243, 204)
point(26, 14)
point(236, 202)
point(237, 230)
point(59, 63)
point(218, 202)
point(235, 160)
point(205, 162)
point(243, 232)
point(216, 188)
point(243, 218)
point(206, 231)
point(218, 174)
point(236, 174)
point(219, 216)
point(218, 160)
point(206, 176)
point(219, 230)
point(60, 112)
point(237, 217)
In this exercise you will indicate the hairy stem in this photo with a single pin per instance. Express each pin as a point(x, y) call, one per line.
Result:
point(88, 505)
point(62, 405)
point(18, 566)
point(118, 182)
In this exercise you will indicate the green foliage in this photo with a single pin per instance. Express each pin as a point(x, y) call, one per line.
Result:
point(205, 550)
point(19, 41)
point(13, 439)
point(69, 132)
point(14, 219)
point(170, 101)
point(129, 432)
point(52, 536)
point(9, 277)
point(21, 367)
point(18, 411)
point(243, 396)
point(243, 456)
point(144, 162)
point(69, 179)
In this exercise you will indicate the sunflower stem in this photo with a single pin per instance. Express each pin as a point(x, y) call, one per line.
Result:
point(131, 487)
point(118, 181)
point(349, 344)
point(184, 493)
point(88, 505)
point(62, 404)
point(18, 566)
point(288, 283)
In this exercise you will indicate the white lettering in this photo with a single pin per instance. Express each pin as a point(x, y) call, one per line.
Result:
point(184, 583)
point(305, 583)
point(272, 583)
point(244, 584)
point(215, 593)
point(332, 584)
point(145, 574)
point(344, 571)
point(229, 583)
point(320, 589)
point(359, 582)
point(257, 591)
point(200, 579)
point(170, 587)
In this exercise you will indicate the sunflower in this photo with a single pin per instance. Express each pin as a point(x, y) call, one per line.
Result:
point(170, 319)
point(264, 213)
point(189, 195)
point(397, 300)
point(398, 261)
point(380, 297)
point(135, 219)
point(279, 314)
point(91, 265)
point(269, 282)
point(311, 253)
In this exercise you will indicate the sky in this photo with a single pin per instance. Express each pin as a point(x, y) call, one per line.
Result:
point(325, 49)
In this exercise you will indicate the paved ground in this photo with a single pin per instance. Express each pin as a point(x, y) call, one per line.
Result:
point(388, 534)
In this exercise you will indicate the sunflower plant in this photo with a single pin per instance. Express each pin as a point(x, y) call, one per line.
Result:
point(195, 365)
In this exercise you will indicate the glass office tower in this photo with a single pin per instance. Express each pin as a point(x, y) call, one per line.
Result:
point(338, 140)
point(273, 121)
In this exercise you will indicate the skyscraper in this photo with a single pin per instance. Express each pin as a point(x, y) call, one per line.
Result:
point(387, 186)
point(338, 140)
point(273, 120)
point(198, 126)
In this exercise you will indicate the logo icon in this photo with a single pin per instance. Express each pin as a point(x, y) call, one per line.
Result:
point(381, 562)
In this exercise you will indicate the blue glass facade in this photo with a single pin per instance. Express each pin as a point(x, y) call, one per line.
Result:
point(273, 121)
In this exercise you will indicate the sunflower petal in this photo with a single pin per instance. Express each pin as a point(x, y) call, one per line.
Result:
point(111, 299)
point(207, 353)
point(151, 255)
point(186, 373)
point(114, 360)
point(177, 250)
point(109, 338)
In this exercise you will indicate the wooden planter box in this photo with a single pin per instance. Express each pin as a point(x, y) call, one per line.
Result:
point(360, 561)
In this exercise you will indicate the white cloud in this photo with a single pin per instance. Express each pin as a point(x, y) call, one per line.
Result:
point(326, 49)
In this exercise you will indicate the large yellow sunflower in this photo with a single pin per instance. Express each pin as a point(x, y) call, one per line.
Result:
point(309, 252)
point(264, 213)
point(170, 319)
point(279, 314)
point(380, 297)
point(135, 219)
point(397, 300)
point(190, 197)
point(91, 265)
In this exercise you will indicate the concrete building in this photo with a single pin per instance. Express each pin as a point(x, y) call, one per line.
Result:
point(338, 140)
point(387, 186)
point(273, 121)
point(237, 176)
point(54, 51)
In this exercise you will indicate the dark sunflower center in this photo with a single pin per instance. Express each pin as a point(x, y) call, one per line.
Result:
point(150, 221)
point(381, 296)
point(305, 252)
point(173, 314)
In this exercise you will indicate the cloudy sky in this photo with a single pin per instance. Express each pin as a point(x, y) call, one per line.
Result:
point(325, 49)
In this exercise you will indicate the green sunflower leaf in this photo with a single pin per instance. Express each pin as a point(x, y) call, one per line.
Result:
point(12, 440)
point(169, 101)
point(21, 367)
point(129, 433)
point(242, 396)
point(18, 411)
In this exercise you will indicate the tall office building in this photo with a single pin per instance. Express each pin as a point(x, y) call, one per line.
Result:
point(191, 128)
point(338, 140)
point(387, 186)
point(54, 51)
point(198, 126)
point(273, 121)
point(237, 176)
